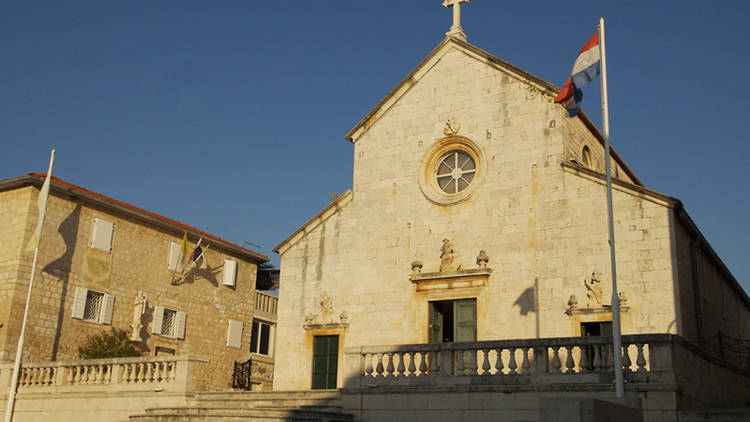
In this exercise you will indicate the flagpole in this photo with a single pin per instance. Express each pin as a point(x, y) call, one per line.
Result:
point(19, 348)
point(616, 330)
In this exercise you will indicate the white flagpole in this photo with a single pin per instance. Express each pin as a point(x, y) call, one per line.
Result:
point(616, 331)
point(19, 348)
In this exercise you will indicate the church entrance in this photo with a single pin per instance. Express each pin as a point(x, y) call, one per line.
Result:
point(453, 320)
point(325, 362)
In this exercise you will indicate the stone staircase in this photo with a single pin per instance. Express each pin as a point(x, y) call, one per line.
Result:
point(272, 406)
point(715, 415)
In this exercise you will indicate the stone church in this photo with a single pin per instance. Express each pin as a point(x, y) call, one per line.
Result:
point(478, 213)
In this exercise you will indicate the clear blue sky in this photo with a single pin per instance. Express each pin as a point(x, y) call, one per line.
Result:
point(231, 115)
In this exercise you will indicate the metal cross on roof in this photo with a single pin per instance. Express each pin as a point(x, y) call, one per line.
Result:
point(456, 30)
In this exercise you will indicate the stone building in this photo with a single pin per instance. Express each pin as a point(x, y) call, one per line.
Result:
point(478, 214)
point(105, 263)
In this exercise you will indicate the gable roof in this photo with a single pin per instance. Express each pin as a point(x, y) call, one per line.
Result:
point(432, 59)
point(59, 185)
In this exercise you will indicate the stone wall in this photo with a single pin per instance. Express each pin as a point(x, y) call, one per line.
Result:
point(138, 261)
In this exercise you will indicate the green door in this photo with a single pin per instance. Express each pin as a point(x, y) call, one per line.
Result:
point(465, 320)
point(325, 362)
point(436, 324)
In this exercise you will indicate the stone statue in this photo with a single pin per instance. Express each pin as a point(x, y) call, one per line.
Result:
point(447, 257)
point(139, 308)
point(593, 290)
point(572, 303)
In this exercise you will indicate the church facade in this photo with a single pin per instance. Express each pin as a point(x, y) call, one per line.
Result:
point(478, 212)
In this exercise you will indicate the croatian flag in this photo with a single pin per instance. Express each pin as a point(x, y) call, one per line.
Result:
point(585, 69)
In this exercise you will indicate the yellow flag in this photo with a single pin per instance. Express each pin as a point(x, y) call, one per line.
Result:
point(184, 249)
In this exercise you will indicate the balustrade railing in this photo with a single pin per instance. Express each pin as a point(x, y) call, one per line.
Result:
point(500, 361)
point(266, 303)
point(157, 370)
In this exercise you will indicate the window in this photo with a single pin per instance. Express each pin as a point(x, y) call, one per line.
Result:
point(586, 157)
point(455, 171)
point(168, 322)
point(234, 334)
point(101, 238)
point(93, 306)
point(260, 338)
point(452, 170)
point(176, 261)
point(229, 278)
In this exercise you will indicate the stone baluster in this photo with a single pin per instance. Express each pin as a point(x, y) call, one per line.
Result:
point(71, 371)
point(423, 363)
point(598, 366)
point(99, 374)
point(512, 365)
point(77, 375)
point(556, 364)
point(412, 366)
point(379, 370)
point(525, 365)
point(51, 375)
point(640, 361)
point(401, 368)
point(141, 372)
point(149, 372)
point(626, 358)
point(584, 361)
point(570, 365)
point(486, 362)
point(389, 366)
point(460, 367)
point(499, 361)
point(368, 364)
point(609, 362)
point(435, 367)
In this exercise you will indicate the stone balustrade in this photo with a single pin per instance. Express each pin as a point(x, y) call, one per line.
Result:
point(174, 372)
point(266, 305)
point(531, 361)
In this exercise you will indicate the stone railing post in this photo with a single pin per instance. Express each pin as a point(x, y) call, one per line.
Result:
point(353, 367)
point(661, 358)
point(540, 360)
point(61, 375)
point(447, 362)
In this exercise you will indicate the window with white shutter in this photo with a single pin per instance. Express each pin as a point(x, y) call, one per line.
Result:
point(175, 257)
point(234, 334)
point(101, 239)
point(229, 277)
point(93, 306)
point(168, 322)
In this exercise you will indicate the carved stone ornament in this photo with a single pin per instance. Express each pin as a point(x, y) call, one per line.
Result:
point(344, 317)
point(416, 267)
point(310, 318)
point(451, 127)
point(623, 299)
point(482, 259)
point(448, 257)
point(139, 308)
point(326, 304)
point(572, 303)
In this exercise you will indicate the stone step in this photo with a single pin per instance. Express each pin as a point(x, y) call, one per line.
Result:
point(321, 400)
point(196, 414)
point(715, 415)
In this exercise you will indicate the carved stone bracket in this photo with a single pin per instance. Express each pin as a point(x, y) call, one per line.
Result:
point(326, 318)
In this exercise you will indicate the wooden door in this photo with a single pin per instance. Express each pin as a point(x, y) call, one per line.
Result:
point(325, 362)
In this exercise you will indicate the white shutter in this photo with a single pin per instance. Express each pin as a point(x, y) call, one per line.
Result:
point(234, 334)
point(175, 263)
point(108, 307)
point(102, 237)
point(79, 302)
point(158, 319)
point(179, 331)
point(230, 273)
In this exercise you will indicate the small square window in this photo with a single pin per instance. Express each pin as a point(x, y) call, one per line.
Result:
point(93, 306)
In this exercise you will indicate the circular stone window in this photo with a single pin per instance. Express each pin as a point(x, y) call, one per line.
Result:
point(451, 170)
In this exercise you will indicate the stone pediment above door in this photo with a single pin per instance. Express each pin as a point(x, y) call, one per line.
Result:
point(451, 275)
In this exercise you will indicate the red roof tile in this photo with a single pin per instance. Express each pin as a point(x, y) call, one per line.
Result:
point(61, 183)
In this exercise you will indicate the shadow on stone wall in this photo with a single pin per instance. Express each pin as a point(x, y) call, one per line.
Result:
point(60, 268)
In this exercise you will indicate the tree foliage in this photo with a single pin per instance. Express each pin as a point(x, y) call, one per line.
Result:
point(112, 344)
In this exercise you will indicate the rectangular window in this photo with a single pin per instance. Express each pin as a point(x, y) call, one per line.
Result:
point(260, 338)
point(93, 306)
point(101, 239)
point(229, 277)
point(168, 322)
point(176, 257)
